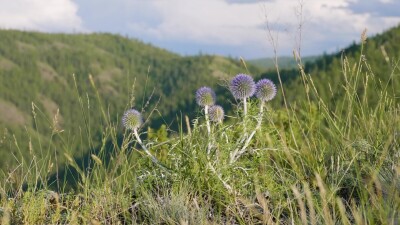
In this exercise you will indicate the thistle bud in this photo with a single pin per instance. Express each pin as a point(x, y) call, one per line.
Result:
point(205, 96)
point(132, 119)
point(216, 113)
point(265, 90)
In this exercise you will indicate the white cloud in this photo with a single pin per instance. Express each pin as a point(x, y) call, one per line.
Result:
point(335, 24)
point(228, 27)
point(204, 21)
point(328, 25)
point(40, 15)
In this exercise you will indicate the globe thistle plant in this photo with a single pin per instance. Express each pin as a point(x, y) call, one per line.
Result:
point(216, 113)
point(242, 86)
point(132, 120)
point(265, 91)
point(205, 97)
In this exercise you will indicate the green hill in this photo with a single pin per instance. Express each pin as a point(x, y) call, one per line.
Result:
point(328, 153)
point(285, 62)
point(37, 82)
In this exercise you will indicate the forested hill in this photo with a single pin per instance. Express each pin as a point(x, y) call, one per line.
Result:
point(285, 62)
point(36, 80)
point(381, 55)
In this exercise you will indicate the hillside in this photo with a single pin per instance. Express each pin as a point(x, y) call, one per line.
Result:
point(328, 153)
point(285, 62)
point(36, 80)
point(381, 53)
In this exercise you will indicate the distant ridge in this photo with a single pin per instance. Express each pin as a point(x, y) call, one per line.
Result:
point(285, 62)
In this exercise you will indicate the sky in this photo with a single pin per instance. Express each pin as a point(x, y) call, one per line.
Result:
point(236, 28)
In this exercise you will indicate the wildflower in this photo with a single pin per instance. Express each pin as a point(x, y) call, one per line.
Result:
point(205, 96)
point(216, 113)
point(132, 119)
point(242, 86)
point(265, 90)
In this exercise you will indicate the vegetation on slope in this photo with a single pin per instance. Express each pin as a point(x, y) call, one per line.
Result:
point(285, 62)
point(42, 75)
point(317, 164)
point(331, 156)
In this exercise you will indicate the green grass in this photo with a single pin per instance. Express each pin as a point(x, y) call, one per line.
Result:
point(318, 161)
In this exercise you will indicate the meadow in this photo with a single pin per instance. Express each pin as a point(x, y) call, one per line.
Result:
point(327, 158)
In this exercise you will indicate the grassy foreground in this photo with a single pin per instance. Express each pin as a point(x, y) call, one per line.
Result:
point(316, 161)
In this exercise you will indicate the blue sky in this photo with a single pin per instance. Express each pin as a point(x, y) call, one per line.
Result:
point(234, 28)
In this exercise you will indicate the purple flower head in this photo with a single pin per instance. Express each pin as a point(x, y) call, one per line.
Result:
point(265, 90)
point(242, 86)
point(216, 113)
point(132, 119)
point(205, 96)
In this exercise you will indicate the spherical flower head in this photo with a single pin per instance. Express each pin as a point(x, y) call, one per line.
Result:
point(265, 90)
point(132, 119)
point(216, 113)
point(242, 86)
point(205, 96)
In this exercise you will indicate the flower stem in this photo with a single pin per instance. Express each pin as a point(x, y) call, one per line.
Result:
point(209, 146)
point(236, 154)
point(153, 159)
point(207, 119)
point(226, 185)
point(260, 115)
point(244, 106)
